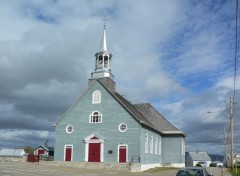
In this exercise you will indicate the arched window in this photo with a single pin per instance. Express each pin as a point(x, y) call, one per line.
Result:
point(146, 143)
point(95, 117)
point(151, 145)
point(96, 97)
point(160, 147)
point(183, 146)
point(156, 146)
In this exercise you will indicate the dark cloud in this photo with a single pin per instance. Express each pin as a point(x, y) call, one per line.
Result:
point(161, 56)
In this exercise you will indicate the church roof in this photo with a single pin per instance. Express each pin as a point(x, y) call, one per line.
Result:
point(146, 114)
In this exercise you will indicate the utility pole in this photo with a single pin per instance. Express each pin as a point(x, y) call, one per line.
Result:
point(232, 131)
point(225, 145)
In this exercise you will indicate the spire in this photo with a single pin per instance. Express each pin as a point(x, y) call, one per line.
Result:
point(103, 47)
point(103, 59)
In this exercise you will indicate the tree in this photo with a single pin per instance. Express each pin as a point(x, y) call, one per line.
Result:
point(29, 150)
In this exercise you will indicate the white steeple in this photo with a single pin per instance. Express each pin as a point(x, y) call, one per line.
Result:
point(103, 47)
point(103, 59)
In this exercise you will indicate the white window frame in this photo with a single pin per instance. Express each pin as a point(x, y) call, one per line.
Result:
point(151, 145)
point(183, 147)
point(156, 145)
point(67, 129)
point(160, 147)
point(123, 145)
point(146, 143)
point(119, 127)
point(96, 97)
point(65, 146)
point(91, 117)
point(89, 140)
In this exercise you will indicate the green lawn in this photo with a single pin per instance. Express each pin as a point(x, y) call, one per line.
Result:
point(161, 169)
point(234, 172)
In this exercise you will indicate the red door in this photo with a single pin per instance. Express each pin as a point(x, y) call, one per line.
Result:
point(41, 151)
point(122, 154)
point(94, 152)
point(68, 153)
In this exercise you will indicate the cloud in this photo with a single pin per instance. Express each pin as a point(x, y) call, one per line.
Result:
point(176, 55)
point(18, 138)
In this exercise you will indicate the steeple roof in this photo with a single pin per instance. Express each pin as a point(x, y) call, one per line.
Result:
point(103, 47)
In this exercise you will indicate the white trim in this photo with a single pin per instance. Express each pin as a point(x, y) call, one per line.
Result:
point(67, 129)
point(146, 143)
point(123, 145)
point(151, 145)
point(183, 147)
point(65, 146)
point(102, 152)
point(88, 140)
point(86, 151)
point(96, 97)
point(119, 127)
point(156, 145)
point(45, 152)
point(160, 147)
point(100, 117)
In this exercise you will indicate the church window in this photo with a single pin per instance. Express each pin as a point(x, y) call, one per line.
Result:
point(95, 117)
point(151, 145)
point(96, 97)
point(160, 147)
point(122, 127)
point(146, 143)
point(69, 129)
point(156, 146)
point(183, 147)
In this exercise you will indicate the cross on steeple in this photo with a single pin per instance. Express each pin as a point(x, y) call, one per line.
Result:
point(105, 19)
point(103, 58)
point(103, 46)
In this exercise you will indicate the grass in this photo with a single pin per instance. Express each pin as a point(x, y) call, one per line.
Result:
point(161, 169)
point(236, 172)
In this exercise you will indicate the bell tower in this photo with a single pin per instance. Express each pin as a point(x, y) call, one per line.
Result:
point(103, 59)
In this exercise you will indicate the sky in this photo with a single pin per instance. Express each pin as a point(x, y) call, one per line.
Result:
point(177, 55)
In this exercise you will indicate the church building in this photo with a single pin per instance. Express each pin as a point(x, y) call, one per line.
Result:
point(102, 126)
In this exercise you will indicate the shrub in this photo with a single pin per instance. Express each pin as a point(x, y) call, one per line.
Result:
point(198, 165)
point(212, 165)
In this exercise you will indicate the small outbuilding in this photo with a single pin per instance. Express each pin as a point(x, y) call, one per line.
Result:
point(193, 158)
point(13, 155)
point(44, 151)
point(12, 152)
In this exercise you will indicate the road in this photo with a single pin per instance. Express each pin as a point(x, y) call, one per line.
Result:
point(35, 169)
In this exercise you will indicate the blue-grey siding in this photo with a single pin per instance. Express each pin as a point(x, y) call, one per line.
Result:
point(112, 115)
point(172, 150)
